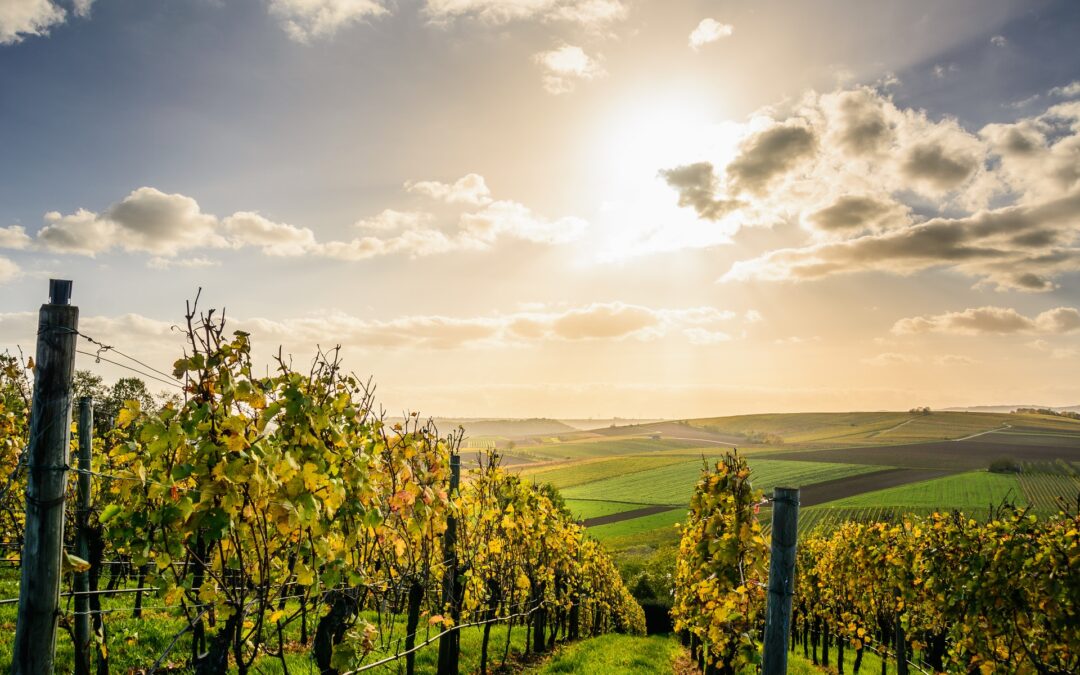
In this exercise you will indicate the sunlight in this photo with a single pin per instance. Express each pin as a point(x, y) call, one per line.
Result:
point(640, 213)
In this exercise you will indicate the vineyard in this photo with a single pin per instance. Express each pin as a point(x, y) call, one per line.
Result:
point(278, 524)
point(944, 592)
point(268, 523)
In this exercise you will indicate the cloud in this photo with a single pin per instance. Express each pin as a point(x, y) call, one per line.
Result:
point(417, 243)
point(954, 360)
point(389, 220)
point(516, 220)
point(146, 220)
point(477, 230)
point(939, 167)
point(591, 13)
point(602, 321)
point(159, 263)
point(1057, 353)
point(999, 41)
point(992, 321)
point(859, 125)
point(942, 70)
point(891, 359)
point(1007, 248)
point(890, 189)
point(246, 228)
point(1069, 90)
point(566, 66)
point(304, 20)
point(858, 212)
point(469, 189)
point(709, 30)
point(24, 18)
point(168, 225)
point(8, 270)
point(769, 153)
point(14, 237)
point(697, 186)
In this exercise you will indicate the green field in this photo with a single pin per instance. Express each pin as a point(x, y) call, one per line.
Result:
point(565, 475)
point(605, 447)
point(876, 428)
point(974, 489)
point(646, 524)
point(615, 654)
point(674, 484)
point(607, 476)
point(588, 508)
point(1048, 492)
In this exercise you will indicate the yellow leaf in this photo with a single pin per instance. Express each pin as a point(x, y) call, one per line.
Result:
point(276, 616)
point(71, 563)
point(126, 416)
point(304, 576)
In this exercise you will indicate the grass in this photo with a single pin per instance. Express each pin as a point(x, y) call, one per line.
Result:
point(134, 644)
point(878, 428)
point(585, 508)
point(974, 489)
point(606, 447)
point(588, 470)
point(674, 484)
point(637, 526)
point(1048, 492)
point(614, 654)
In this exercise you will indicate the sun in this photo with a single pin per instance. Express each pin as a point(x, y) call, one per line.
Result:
point(640, 212)
point(643, 137)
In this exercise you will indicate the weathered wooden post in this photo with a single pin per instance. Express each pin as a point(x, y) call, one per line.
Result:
point(449, 643)
point(82, 538)
point(50, 433)
point(785, 530)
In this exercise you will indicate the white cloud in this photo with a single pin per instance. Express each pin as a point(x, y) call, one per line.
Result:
point(14, 237)
point(1059, 353)
point(1069, 90)
point(159, 263)
point(389, 220)
point(516, 220)
point(307, 19)
point(566, 66)
point(591, 13)
point(885, 188)
point(954, 360)
point(146, 220)
point(245, 228)
point(709, 30)
point(24, 18)
point(992, 320)
point(167, 225)
point(891, 359)
point(999, 41)
point(603, 321)
point(416, 243)
point(8, 270)
point(469, 189)
point(942, 70)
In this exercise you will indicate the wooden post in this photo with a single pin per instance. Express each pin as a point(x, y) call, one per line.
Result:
point(901, 649)
point(50, 433)
point(82, 538)
point(449, 643)
point(785, 530)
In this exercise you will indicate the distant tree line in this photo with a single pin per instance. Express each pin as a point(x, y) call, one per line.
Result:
point(1047, 411)
point(108, 400)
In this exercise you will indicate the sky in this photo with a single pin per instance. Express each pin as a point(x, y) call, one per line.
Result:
point(561, 208)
